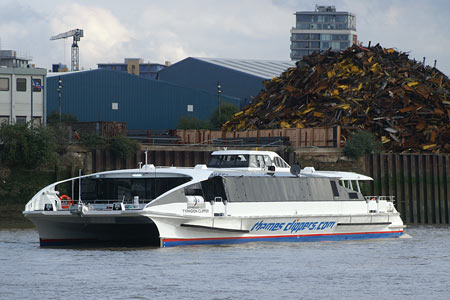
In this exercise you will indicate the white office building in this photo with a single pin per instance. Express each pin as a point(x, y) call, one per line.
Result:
point(22, 95)
point(322, 29)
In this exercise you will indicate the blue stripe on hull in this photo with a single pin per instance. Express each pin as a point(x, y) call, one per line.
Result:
point(300, 238)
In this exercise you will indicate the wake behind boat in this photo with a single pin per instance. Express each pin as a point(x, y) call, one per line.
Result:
point(240, 196)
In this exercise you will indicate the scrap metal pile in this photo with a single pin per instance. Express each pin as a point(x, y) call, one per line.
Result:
point(404, 103)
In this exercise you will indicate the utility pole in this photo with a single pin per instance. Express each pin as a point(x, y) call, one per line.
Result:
point(59, 95)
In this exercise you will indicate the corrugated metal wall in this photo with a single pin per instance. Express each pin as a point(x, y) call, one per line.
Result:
point(142, 103)
point(202, 75)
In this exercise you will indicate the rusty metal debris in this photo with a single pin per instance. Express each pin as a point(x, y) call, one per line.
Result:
point(404, 103)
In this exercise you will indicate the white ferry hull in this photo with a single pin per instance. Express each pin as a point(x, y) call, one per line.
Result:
point(231, 230)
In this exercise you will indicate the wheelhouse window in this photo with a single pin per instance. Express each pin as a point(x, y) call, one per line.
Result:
point(229, 161)
point(239, 161)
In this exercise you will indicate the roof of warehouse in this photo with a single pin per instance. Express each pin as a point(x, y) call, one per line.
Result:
point(262, 68)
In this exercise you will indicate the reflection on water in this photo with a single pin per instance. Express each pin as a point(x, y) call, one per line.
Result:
point(405, 268)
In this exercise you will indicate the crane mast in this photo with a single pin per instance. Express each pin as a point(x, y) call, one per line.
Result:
point(77, 34)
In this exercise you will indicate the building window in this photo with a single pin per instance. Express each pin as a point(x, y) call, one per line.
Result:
point(4, 120)
point(4, 84)
point(115, 106)
point(37, 85)
point(21, 120)
point(325, 45)
point(21, 84)
point(190, 107)
point(300, 44)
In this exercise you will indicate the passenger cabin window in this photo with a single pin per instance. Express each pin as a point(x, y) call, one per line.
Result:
point(334, 189)
point(118, 189)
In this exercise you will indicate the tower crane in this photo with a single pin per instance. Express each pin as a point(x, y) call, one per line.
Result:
point(77, 34)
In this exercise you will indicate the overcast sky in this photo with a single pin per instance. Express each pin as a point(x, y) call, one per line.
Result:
point(171, 30)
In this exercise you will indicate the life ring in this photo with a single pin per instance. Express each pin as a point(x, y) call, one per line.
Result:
point(67, 200)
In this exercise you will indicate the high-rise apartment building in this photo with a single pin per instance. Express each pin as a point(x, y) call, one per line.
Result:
point(322, 29)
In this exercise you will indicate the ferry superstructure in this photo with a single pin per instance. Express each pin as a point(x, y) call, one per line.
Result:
point(240, 196)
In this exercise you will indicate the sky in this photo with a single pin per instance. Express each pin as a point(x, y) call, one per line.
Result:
point(171, 30)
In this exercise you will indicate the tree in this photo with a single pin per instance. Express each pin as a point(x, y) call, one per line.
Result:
point(123, 147)
point(192, 123)
point(361, 143)
point(23, 146)
point(53, 118)
point(227, 110)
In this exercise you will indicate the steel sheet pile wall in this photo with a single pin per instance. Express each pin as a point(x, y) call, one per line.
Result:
point(420, 184)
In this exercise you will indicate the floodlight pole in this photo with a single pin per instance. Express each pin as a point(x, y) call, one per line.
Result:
point(59, 95)
point(218, 98)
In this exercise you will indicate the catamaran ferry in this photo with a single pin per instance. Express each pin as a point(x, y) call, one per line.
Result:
point(240, 196)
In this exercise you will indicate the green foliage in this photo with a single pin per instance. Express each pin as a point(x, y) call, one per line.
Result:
point(227, 110)
point(22, 183)
point(361, 143)
point(53, 118)
point(123, 147)
point(23, 146)
point(92, 141)
point(192, 123)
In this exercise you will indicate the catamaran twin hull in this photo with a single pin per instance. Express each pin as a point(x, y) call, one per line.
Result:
point(201, 205)
point(169, 231)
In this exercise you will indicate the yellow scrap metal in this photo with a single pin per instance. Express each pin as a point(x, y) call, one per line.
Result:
point(284, 124)
point(305, 111)
point(385, 139)
point(414, 83)
point(343, 106)
point(318, 114)
point(429, 146)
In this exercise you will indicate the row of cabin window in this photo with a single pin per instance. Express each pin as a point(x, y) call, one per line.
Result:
point(21, 85)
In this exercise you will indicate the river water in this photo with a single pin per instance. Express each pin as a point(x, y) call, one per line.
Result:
point(417, 267)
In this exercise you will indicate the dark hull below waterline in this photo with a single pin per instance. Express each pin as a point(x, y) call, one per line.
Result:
point(87, 232)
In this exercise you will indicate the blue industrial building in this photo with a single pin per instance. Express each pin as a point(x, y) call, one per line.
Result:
point(102, 95)
point(240, 78)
